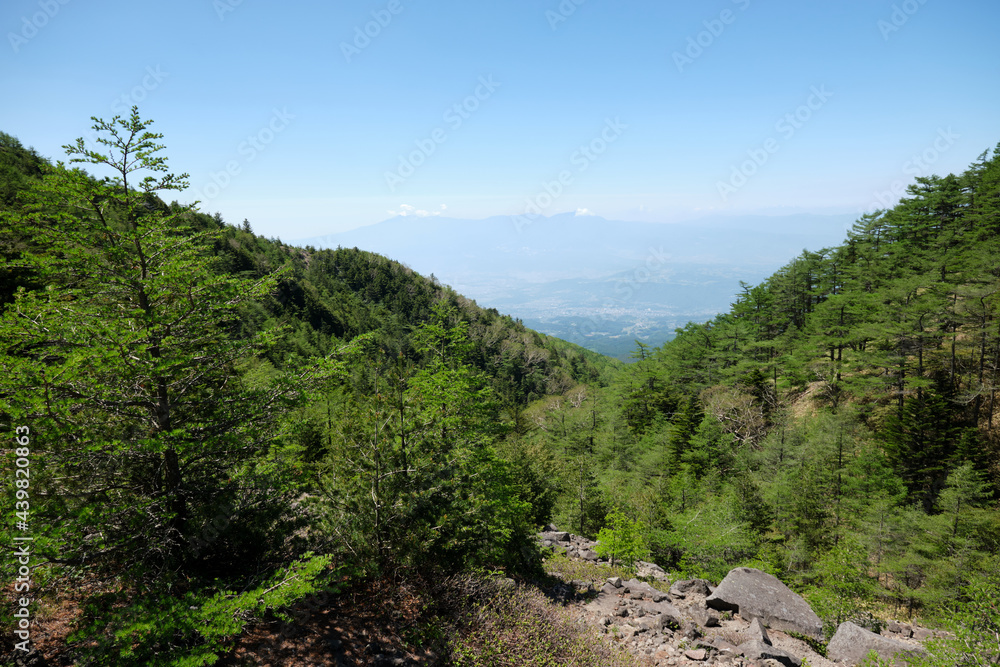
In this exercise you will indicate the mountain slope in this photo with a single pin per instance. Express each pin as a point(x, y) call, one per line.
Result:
point(592, 281)
point(838, 425)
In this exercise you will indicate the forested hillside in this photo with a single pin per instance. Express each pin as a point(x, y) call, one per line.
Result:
point(838, 426)
point(214, 425)
point(211, 427)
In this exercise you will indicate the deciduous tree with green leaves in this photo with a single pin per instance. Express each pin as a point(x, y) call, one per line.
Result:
point(622, 539)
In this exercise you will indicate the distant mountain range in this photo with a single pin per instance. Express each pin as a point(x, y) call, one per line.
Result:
point(596, 282)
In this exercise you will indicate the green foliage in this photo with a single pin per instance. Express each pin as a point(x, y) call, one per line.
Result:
point(192, 629)
point(841, 588)
point(974, 620)
point(622, 540)
point(709, 540)
point(200, 393)
point(874, 660)
point(569, 569)
point(920, 441)
point(124, 361)
point(205, 403)
point(414, 470)
point(837, 426)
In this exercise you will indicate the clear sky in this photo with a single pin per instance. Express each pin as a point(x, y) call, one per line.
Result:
point(315, 117)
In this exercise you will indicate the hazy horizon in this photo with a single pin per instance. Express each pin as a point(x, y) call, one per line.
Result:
point(319, 118)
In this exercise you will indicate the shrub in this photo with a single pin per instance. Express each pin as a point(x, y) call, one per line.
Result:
point(188, 630)
point(508, 624)
point(622, 540)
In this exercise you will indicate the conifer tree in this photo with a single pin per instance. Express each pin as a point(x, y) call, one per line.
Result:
point(125, 362)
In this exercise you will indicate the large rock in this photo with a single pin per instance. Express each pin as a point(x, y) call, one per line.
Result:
point(704, 617)
point(555, 536)
point(757, 631)
point(851, 644)
point(758, 650)
point(670, 615)
point(642, 589)
point(686, 587)
point(756, 594)
point(652, 570)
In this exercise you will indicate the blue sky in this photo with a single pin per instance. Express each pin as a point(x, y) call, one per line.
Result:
point(288, 114)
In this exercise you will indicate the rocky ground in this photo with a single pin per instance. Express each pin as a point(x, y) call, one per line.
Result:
point(750, 619)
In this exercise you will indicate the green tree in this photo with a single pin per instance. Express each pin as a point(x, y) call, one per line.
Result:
point(841, 589)
point(622, 540)
point(921, 441)
point(974, 620)
point(125, 363)
point(413, 468)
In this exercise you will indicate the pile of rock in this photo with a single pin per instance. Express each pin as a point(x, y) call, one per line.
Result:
point(573, 546)
point(750, 619)
point(852, 643)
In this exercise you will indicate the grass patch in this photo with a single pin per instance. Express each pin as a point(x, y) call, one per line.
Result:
point(515, 625)
point(568, 569)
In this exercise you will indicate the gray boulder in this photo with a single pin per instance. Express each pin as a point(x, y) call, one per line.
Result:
point(704, 617)
point(851, 644)
point(756, 594)
point(642, 589)
point(685, 587)
point(758, 650)
point(757, 631)
point(898, 628)
point(555, 536)
point(670, 615)
point(658, 622)
point(652, 570)
point(690, 631)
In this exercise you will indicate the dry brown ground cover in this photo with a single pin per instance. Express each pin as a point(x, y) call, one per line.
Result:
point(469, 621)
